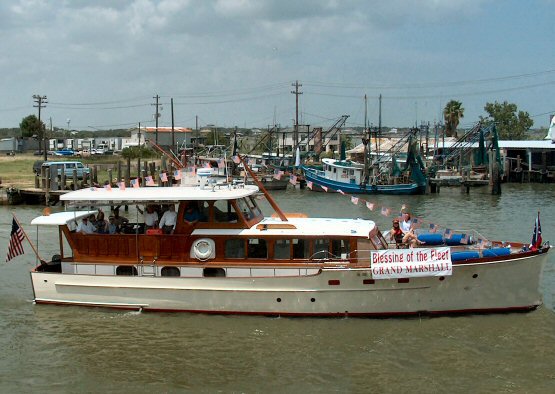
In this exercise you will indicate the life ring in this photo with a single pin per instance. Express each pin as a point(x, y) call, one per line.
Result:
point(203, 249)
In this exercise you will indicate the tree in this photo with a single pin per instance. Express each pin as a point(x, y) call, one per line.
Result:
point(452, 114)
point(511, 125)
point(30, 127)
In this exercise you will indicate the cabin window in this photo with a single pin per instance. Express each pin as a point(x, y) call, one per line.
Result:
point(334, 170)
point(213, 273)
point(282, 249)
point(204, 210)
point(224, 212)
point(193, 213)
point(257, 248)
point(170, 271)
point(340, 247)
point(321, 248)
point(300, 248)
point(126, 270)
point(253, 206)
point(234, 248)
point(245, 209)
point(352, 172)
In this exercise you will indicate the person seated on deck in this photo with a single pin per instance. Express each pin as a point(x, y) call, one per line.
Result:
point(406, 224)
point(168, 221)
point(112, 227)
point(100, 224)
point(396, 234)
point(120, 221)
point(150, 217)
point(85, 227)
point(192, 214)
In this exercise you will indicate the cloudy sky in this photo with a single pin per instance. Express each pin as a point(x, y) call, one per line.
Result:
point(232, 62)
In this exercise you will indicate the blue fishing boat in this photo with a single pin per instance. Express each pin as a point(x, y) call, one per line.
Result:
point(349, 177)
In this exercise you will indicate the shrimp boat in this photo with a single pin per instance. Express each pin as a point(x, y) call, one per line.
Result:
point(233, 260)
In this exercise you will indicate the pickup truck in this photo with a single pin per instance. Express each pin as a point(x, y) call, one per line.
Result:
point(67, 167)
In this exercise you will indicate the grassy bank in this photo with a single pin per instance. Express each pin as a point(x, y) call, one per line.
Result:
point(17, 171)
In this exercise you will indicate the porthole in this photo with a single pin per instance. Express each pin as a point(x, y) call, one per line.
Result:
point(213, 273)
point(126, 270)
point(442, 278)
point(170, 271)
point(475, 276)
point(278, 299)
point(312, 299)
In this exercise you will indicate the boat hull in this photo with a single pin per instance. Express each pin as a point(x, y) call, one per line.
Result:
point(353, 188)
point(506, 285)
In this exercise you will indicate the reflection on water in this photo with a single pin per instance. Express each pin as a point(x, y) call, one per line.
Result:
point(53, 348)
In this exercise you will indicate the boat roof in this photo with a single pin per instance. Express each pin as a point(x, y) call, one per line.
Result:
point(156, 194)
point(60, 218)
point(301, 227)
point(342, 163)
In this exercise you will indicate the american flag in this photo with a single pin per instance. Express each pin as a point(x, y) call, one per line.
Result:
point(354, 200)
point(149, 181)
point(293, 179)
point(163, 177)
point(277, 175)
point(135, 183)
point(433, 228)
point(447, 234)
point(177, 175)
point(464, 239)
point(221, 163)
point(370, 205)
point(325, 188)
point(340, 191)
point(121, 185)
point(386, 211)
point(537, 236)
point(415, 223)
point(108, 187)
point(15, 248)
point(236, 159)
point(309, 184)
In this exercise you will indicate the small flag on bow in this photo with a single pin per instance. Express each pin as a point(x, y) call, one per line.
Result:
point(354, 200)
point(537, 236)
point(370, 205)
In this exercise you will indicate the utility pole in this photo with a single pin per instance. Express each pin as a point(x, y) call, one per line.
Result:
point(40, 102)
point(156, 116)
point(296, 92)
point(139, 136)
point(197, 132)
point(173, 127)
point(380, 116)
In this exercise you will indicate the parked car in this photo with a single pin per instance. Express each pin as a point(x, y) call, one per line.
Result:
point(68, 167)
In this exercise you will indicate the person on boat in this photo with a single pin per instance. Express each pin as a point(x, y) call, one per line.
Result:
point(406, 224)
point(168, 220)
point(400, 237)
point(85, 227)
point(100, 224)
point(192, 215)
point(150, 217)
point(120, 221)
point(112, 227)
point(396, 233)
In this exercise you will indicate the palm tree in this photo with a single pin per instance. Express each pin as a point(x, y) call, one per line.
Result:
point(452, 113)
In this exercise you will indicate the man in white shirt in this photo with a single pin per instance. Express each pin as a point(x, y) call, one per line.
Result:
point(150, 217)
point(406, 224)
point(85, 227)
point(169, 219)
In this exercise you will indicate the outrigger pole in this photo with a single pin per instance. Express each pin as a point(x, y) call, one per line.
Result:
point(263, 189)
point(30, 243)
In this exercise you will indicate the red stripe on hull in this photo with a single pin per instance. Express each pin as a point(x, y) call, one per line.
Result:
point(526, 308)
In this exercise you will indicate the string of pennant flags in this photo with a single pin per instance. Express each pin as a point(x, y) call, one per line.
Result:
point(416, 222)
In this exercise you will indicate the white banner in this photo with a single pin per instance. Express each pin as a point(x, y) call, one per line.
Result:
point(409, 263)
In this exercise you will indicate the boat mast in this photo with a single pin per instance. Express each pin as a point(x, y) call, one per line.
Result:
point(365, 140)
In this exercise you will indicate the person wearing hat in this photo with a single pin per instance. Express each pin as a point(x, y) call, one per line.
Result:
point(401, 237)
point(112, 227)
point(85, 227)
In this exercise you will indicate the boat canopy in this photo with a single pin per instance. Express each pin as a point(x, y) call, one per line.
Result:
point(60, 218)
point(158, 194)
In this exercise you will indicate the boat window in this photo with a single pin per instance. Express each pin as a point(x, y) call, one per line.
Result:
point(213, 273)
point(204, 210)
point(377, 239)
point(352, 172)
point(126, 270)
point(254, 206)
point(321, 248)
point(334, 170)
point(224, 212)
point(245, 209)
point(234, 248)
point(170, 271)
point(282, 249)
point(340, 247)
point(300, 248)
point(257, 248)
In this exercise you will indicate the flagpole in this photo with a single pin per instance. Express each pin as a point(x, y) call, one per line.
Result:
point(27, 237)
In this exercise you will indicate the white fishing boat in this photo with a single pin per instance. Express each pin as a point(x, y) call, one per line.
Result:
point(233, 260)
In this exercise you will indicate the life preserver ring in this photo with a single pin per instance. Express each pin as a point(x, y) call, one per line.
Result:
point(203, 249)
